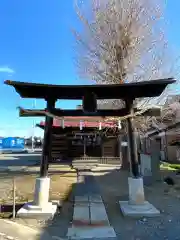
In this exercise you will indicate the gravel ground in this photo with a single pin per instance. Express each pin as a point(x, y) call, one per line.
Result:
point(113, 187)
point(165, 198)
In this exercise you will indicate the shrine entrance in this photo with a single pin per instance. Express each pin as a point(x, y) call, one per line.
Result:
point(128, 92)
point(89, 143)
point(73, 142)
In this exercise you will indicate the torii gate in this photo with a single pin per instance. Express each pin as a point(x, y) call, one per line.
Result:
point(90, 94)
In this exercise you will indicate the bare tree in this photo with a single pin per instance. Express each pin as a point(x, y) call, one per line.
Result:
point(123, 41)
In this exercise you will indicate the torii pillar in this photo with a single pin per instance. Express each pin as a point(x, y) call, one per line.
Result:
point(136, 206)
point(41, 206)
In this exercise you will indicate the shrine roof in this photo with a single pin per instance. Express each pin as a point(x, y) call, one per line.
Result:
point(75, 123)
point(151, 88)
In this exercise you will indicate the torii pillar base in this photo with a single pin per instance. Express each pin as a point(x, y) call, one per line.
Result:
point(137, 206)
point(40, 207)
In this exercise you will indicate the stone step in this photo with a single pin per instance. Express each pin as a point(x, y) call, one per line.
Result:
point(84, 164)
point(81, 199)
point(81, 215)
point(91, 233)
point(89, 210)
point(80, 168)
point(98, 215)
point(95, 199)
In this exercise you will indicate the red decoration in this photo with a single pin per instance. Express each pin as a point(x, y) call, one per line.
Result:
point(75, 123)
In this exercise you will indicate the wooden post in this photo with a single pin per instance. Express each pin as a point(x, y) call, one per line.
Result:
point(46, 152)
point(14, 198)
point(134, 165)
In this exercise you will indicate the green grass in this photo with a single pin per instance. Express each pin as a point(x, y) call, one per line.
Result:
point(170, 166)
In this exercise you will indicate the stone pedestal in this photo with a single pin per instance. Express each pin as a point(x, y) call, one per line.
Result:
point(150, 165)
point(146, 168)
point(162, 156)
point(155, 161)
point(137, 206)
point(40, 207)
point(41, 194)
point(136, 190)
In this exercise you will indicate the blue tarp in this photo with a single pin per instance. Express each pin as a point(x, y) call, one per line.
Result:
point(1, 141)
point(12, 143)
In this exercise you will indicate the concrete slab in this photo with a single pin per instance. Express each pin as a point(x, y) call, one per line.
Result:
point(80, 179)
point(32, 211)
point(104, 167)
point(143, 210)
point(81, 199)
point(82, 204)
point(81, 215)
point(98, 215)
point(95, 198)
point(91, 233)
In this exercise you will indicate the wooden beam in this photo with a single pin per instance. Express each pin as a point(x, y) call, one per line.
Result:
point(79, 113)
point(31, 112)
point(124, 91)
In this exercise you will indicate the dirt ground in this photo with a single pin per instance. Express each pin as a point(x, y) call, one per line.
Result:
point(166, 198)
point(62, 180)
point(113, 187)
point(60, 186)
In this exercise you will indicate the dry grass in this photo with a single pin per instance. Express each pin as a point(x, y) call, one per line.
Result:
point(59, 189)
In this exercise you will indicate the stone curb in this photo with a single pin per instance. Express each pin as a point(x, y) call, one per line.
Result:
point(19, 230)
point(4, 236)
point(35, 232)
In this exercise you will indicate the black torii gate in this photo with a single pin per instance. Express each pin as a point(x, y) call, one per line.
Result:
point(90, 94)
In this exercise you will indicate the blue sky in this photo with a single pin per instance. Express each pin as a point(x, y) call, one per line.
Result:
point(37, 46)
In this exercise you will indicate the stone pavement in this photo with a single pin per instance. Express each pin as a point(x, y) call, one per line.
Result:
point(90, 218)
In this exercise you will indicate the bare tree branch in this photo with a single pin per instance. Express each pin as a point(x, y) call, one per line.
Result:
point(123, 41)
